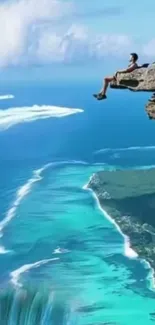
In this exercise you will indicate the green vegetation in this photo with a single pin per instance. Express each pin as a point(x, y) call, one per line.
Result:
point(129, 198)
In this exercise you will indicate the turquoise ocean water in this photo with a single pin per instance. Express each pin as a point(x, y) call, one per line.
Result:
point(54, 238)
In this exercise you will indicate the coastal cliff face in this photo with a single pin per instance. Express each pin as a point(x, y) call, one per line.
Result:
point(129, 198)
point(142, 79)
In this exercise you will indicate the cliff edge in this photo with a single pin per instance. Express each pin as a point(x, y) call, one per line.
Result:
point(141, 79)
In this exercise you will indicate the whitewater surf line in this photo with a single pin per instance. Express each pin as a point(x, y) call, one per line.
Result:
point(114, 150)
point(16, 115)
point(15, 275)
point(4, 97)
point(128, 251)
point(25, 189)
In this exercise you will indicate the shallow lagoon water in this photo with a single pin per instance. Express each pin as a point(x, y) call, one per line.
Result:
point(57, 237)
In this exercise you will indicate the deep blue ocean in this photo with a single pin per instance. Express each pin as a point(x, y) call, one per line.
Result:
point(53, 236)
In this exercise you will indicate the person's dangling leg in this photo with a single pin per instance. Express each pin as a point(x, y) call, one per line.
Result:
point(102, 93)
point(105, 86)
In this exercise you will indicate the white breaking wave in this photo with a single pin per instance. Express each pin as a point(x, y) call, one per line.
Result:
point(60, 250)
point(25, 268)
point(16, 115)
point(3, 97)
point(111, 150)
point(3, 250)
point(23, 191)
point(146, 167)
point(128, 251)
point(20, 195)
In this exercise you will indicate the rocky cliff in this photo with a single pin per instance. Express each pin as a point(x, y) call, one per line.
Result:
point(142, 79)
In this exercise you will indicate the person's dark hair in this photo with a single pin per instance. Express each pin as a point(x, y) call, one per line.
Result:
point(135, 56)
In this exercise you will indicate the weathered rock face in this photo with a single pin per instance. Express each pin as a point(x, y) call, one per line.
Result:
point(150, 109)
point(142, 79)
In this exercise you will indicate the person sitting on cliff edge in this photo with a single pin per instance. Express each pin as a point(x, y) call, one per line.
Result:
point(132, 66)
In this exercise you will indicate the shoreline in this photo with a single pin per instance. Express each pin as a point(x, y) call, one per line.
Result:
point(128, 251)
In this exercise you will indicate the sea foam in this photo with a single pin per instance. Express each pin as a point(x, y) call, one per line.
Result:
point(60, 250)
point(3, 250)
point(4, 97)
point(128, 251)
point(21, 193)
point(15, 275)
point(113, 150)
point(25, 189)
point(16, 115)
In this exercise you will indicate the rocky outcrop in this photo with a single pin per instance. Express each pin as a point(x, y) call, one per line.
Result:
point(150, 108)
point(142, 79)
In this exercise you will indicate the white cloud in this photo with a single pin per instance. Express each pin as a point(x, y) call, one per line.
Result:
point(29, 34)
point(66, 46)
point(78, 43)
point(113, 44)
point(17, 19)
point(149, 48)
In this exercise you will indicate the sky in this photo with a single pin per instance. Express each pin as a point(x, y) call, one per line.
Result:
point(52, 36)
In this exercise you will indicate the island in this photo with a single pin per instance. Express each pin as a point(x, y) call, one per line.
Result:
point(141, 79)
point(128, 196)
